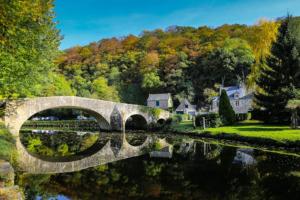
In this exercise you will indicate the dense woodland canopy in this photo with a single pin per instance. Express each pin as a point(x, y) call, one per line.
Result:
point(185, 61)
point(188, 62)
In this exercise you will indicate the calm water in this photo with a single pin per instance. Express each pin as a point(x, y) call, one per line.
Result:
point(196, 170)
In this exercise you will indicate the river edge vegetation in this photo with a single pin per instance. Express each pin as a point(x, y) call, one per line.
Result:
point(7, 144)
point(250, 131)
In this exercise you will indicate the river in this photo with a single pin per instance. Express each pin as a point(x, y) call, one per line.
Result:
point(196, 169)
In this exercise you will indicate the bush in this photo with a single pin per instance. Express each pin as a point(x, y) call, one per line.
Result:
point(226, 111)
point(212, 120)
point(243, 116)
point(181, 117)
point(7, 144)
point(169, 121)
point(263, 115)
point(177, 118)
point(155, 126)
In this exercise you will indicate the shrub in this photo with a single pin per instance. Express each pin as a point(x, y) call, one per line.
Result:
point(181, 117)
point(169, 121)
point(7, 144)
point(211, 119)
point(243, 116)
point(155, 126)
point(226, 111)
point(177, 118)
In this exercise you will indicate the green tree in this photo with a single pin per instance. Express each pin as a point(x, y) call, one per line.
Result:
point(151, 80)
point(294, 106)
point(28, 44)
point(57, 86)
point(243, 54)
point(101, 90)
point(276, 80)
point(226, 111)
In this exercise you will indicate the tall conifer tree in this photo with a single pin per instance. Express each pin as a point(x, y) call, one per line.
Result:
point(226, 111)
point(277, 77)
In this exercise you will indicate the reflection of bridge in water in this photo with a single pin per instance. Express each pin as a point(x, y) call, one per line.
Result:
point(109, 115)
point(106, 154)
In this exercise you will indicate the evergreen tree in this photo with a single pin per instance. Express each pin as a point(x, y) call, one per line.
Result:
point(226, 111)
point(277, 76)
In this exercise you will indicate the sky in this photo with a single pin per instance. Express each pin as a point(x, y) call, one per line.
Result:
point(84, 21)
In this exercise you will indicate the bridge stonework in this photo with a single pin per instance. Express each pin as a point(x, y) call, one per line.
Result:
point(109, 116)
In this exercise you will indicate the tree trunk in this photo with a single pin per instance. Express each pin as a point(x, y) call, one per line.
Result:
point(294, 119)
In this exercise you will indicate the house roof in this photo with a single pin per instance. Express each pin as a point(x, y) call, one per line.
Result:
point(231, 90)
point(184, 102)
point(162, 96)
point(248, 96)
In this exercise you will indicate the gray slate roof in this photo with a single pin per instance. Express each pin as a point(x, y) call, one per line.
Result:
point(181, 107)
point(248, 96)
point(156, 97)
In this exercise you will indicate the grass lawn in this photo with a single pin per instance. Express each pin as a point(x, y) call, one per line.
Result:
point(253, 129)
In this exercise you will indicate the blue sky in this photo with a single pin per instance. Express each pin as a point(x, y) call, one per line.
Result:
point(85, 21)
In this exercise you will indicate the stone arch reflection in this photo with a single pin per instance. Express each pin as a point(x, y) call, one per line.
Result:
point(63, 134)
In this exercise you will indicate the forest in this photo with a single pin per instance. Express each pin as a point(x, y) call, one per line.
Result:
point(188, 62)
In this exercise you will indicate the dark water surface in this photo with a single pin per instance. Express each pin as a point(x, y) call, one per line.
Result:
point(197, 170)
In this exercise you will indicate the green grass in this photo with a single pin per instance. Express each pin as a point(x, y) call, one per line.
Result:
point(7, 144)
point(251, 129)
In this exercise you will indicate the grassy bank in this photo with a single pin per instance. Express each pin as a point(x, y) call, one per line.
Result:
point(7, 144)
point(249, 131)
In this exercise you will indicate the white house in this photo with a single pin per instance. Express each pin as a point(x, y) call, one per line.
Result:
point(186, 107)
point(240, 99)
point(163, 101)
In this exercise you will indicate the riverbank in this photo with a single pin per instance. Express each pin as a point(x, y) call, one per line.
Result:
point(252, 132)
point(8, 190)
point(7, 144)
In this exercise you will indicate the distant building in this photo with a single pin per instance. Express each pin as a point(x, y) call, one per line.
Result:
point(240, 99)
point(163, 101)
point(186, 107)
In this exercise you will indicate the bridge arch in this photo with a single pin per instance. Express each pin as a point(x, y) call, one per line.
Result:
point(18, 111)
point(136, 122)
point(103, 123)
point(161, 121)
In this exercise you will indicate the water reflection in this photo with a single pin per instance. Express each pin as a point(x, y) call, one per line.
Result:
point(56, 144)
point(197, 170)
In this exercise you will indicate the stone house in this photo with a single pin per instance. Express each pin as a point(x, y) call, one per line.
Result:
point(163, 101)
point(240, 99)
point(186, 107)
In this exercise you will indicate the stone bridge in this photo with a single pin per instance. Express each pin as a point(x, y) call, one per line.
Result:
point(110, 116)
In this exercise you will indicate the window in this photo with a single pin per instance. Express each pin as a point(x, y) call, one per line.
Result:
point(157, 103)
point(237, 103)
point(186, 106)
point(236, 95)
